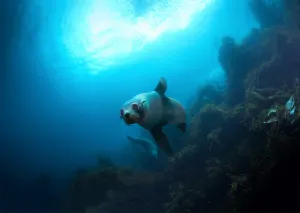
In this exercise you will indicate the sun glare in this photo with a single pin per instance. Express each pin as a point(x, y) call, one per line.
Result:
point(108, 31)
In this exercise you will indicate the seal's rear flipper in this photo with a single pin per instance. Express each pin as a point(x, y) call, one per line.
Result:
point(182, 127)
point(161, 140)
point(130, 138)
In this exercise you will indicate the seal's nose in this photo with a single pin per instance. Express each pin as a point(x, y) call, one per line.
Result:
point(126, 115)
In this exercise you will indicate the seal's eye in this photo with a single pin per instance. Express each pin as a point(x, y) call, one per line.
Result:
point(135, 106)
point(121, 112)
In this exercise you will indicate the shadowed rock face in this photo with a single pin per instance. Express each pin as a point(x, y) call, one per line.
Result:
point(268, 13)
point(234, 156)
point(292, 8)
point(238, 60)
point(266, 58)
point(282, 67)
point(116, 189)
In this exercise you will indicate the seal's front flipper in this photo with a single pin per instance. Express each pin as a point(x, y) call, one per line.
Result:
point(182, 127)
point(161, 87)
point(161, 140)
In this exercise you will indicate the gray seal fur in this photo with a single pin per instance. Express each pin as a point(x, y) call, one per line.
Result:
point(152, 111)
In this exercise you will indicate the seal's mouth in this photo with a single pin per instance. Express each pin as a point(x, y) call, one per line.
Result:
point(131, 118)
point(128, 121)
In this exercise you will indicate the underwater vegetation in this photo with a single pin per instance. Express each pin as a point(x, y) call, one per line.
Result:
point(109, 187)
point(242, 148)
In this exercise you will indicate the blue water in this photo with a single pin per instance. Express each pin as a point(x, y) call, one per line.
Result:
point(70, 65)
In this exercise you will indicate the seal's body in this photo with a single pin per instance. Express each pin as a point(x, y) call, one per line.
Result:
point(149, 146)
point(153, 110)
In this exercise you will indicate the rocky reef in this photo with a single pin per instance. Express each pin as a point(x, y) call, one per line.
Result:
point(242, 148)
point(108, 188)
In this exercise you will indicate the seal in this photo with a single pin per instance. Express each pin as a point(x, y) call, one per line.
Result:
point(149, 146)
point(152, 111)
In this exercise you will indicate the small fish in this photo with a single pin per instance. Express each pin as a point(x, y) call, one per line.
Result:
point(290, 105)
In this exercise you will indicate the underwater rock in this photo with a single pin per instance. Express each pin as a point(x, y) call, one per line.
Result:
point(104, 162)
point(90, 188)
point(267, 13)
point(282, 68)
point(146, 198)
point(207, 94)
point(265, 58)
point(292, 13)
point(113, 190)
point(234, 155)
point(238, 60)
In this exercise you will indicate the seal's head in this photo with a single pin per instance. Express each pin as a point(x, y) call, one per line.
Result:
point(133, 111)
